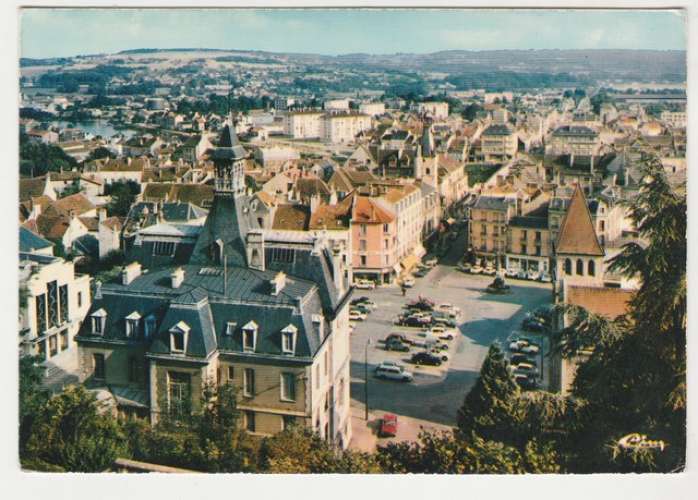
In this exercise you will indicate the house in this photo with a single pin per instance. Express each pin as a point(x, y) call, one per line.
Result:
point(498, 143)
point(264, 309)
point(434, 110)
point(487, 228)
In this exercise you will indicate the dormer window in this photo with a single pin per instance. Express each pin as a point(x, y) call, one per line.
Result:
point(249, 336)
point(133, 321)
point(318, 326)
point(230, 328)
point(178, 338)
point(150, 326)
point(288, 339)
point(99, 320)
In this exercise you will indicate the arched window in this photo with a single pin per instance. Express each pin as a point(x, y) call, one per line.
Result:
point(591, 268)
point(580, 267)
point(568, 266)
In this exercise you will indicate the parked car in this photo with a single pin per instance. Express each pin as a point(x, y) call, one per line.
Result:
point(408, 282)
point(525, 382)
point(443, 333)
point(361, 308)
point(400, 337)
point(476, 269)
point(416, 322)
point(358, 312)
point(464, 268)
point(511, 273)
point(390, 371)
point(525, 368)
point(532, 324)
point(396, 345)
point(448, 322)
point(524, 346)
point(440, 354)
point(422, 303)
point(356, 316)
point(426, 358)
point(388, 425)
point(545, 277)
point(449, 309)
point(364, 284)
point(518, 357)
point(489, 271)
point(431, 262)
point(363, 301)
point(521, 274)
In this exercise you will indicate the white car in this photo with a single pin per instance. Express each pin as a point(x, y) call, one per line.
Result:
point(391, 371)
point(533, 275)
point(408, 282)
point(524, 346)
point(365, 284)
point(443, 333)
point(448, 308)
point(476, 269)
point(356, 316)
point(511, 273)
point(489, 271)
point(545, 277)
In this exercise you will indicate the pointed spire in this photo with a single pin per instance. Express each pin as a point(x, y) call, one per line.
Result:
point(577, 235)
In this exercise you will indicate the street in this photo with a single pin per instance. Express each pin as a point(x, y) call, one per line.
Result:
point(436, 392)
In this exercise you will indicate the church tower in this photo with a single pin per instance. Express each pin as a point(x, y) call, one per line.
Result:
point(229, 162)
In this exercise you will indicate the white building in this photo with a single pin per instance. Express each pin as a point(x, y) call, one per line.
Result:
point(343, 127)
point(372, 108)
point(435, 110)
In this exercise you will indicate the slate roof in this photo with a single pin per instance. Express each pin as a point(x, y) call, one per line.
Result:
point(574, 131)
point(497, 130)
point(29, 242)
point(491, 203)
point(529, 222)
point(577, 235)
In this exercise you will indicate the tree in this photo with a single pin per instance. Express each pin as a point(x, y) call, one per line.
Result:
point(298, 450)
point(32, 396)
point(123, 195)
point(98, 153)
point(72, 432)
point(490, 409)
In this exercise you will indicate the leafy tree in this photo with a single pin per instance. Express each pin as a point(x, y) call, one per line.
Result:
point(32, 396)
point(298, 450)
point(72, 432)
point(490, 409)
point(123, 195)
point(37, 158)
point(99, 153)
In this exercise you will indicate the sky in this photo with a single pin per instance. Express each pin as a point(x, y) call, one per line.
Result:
point(68, 32)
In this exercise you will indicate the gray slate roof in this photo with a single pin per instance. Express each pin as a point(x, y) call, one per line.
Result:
point(29, 241)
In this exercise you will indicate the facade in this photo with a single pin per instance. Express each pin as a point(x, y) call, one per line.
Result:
point(498, 143)
point(303, 124)
point(528, 244)
point(372, 108)
point(375, 240)
point(265, 310)
point(434, 110)
point(338, 128)
point(487, 230)
point(574, 140)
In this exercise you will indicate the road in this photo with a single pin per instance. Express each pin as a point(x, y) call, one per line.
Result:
point(437, 393)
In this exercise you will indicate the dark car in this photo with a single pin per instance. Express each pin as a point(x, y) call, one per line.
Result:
point(520, 358)
point(399, 337)
point(532, 325)
point(396, 345)
point(526, 382)
point(361, 307)
point(416, 322)
point(426, 358)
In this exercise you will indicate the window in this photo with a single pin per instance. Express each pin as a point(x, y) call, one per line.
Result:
point(362, 245)
point(63, 299)
point(524, 249)
point(591, 268)
point(286, 255)
point(64, 340)
point(40, 314)
point(580, 267)
point(178, 338)
point(53, 319)
point(288, 339)
point(340, 393)
point(249, 421)
point(538, 235)
point(132, 324)
point(287, 421)
point(249, 337)
point(327, 362)
point(386, 244)
point(363, 260)
point(99, 367)
point(179, 389)
point(231, 372)
point(362, 229)
point(53, 345)
point(79, 299)
point(150, 325)
point(538, 250)
point(602, 225)
point(230, 328)
point(132, 370)
point(386, 228)
point(248, 382)
point(317, 376)
point(288, 387)
point(163, 248)
point(99, 319)
point(568, 266)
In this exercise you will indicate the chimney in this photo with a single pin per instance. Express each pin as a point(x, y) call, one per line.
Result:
point(277, 283)
point(177, 277)
point(337, 269)
point(98, 290)
point(130, 273)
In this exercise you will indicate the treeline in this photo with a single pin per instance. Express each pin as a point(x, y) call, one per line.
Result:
point(507, 80)
point(97, 77)
point(218, 104)
point(37, 158)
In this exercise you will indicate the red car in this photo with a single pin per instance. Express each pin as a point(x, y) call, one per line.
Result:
point(388, 425)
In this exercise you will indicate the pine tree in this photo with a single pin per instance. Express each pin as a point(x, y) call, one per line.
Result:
point(491, 408)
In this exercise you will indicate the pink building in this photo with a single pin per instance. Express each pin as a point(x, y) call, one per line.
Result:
point(374, 240)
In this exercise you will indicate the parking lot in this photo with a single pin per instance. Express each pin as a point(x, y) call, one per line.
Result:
point(437, 392)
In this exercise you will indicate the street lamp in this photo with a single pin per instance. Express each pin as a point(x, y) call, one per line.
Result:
point(368, 342)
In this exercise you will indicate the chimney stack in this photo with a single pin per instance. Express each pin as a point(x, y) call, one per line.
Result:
point(278, 283)
point(130, 273)
point(177, 277)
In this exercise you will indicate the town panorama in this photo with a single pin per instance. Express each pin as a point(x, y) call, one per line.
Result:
point(452, 262)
